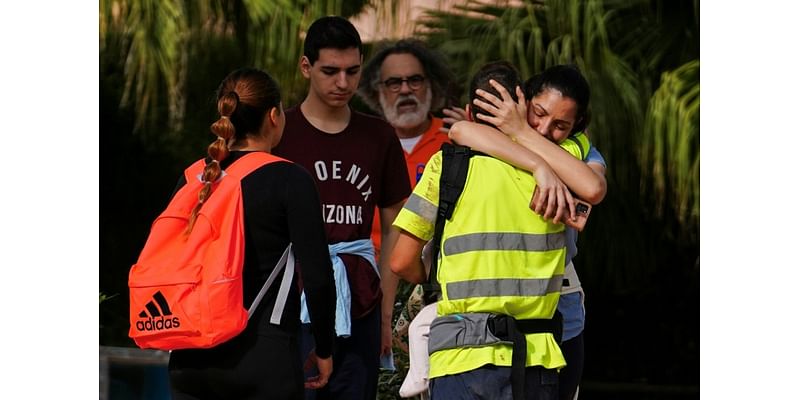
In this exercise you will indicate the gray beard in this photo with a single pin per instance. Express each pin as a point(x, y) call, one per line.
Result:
point(409, 119)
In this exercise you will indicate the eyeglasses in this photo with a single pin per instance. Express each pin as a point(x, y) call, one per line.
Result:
point(414, 82)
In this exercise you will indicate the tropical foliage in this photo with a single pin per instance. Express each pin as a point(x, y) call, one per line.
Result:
point(158, 41)
point(639, 256)
point(671, 148)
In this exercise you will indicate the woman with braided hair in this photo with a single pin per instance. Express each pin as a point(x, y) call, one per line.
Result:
point(281, 206)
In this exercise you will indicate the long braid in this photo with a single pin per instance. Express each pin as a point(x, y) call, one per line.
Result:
point(217, 150)
point(243, 99)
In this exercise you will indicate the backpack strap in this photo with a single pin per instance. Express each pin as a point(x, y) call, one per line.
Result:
point(455, 164)
point(285, 263)
point(239, 168)
point(250, 162)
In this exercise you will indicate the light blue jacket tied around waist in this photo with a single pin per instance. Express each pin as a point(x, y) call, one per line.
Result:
point(362, 248)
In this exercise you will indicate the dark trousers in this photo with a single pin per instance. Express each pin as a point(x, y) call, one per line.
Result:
point(491, 382)
point(250, 366)
point(570, 376)
point(356, 361)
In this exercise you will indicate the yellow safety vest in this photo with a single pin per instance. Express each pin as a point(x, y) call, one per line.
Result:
point(497, 256)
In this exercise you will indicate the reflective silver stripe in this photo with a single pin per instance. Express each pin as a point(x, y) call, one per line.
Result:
point(503, 287)
point(504, 241)
point(421, 207)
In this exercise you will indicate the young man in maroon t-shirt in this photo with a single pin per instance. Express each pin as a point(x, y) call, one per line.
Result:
point(358, 164)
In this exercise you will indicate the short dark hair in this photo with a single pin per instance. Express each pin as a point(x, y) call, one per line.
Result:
point(568, 80)
point(501, 71)
point(330, 32)
point(437, 74)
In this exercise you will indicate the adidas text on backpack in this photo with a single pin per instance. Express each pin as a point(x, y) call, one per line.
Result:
point(186, 289)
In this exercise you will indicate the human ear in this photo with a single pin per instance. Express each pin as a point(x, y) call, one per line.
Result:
point(274, 114)
point(468, 109)
point(305, 67)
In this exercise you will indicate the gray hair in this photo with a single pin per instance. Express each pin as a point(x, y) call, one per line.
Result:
point(437, 74)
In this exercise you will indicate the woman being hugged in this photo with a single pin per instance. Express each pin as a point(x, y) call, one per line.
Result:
point(281, 206)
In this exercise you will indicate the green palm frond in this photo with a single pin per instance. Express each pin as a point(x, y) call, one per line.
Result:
point(154, 34)
point(670, 150)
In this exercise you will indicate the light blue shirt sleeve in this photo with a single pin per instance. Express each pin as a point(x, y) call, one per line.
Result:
point(595, 156)
point(572, 235)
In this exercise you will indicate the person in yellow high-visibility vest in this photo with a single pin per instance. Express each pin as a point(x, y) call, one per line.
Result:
point(500, 271)
point(416, 380)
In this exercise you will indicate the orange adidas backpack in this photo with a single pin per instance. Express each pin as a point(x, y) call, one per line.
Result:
point(186, 290)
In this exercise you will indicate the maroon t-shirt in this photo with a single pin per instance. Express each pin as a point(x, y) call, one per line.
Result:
point(355, 170)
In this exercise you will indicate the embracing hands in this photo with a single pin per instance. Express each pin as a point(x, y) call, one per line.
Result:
point(551, 197)
point(509, 116)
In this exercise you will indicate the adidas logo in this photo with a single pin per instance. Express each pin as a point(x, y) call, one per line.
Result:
point(157, 314)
